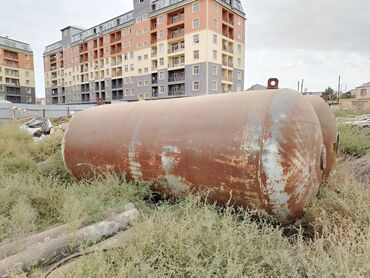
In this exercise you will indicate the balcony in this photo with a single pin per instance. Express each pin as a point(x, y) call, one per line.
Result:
point(54, 92)
point(154, 52)
point(176, 48)
point(228, 64)
point(13, 91)
point(177, 18)
point(177, 76)
point(176, 33)
point(227, 49)
point(12, 73)
point(155, 92)
point(176, 90)
point(53, 59)
point(177, 63)
point(153, 24)
point(10, 55)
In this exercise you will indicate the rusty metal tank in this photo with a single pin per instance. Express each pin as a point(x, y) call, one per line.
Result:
point(259, 150)
point(329, 130)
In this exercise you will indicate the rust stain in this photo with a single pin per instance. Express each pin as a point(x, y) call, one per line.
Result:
point(259, 150)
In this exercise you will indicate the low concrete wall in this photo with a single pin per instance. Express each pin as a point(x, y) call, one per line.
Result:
point(10, 111)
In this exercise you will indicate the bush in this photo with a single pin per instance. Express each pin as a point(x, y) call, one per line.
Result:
point(353, 141)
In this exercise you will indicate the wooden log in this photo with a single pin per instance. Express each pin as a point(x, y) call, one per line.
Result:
point(53, 250)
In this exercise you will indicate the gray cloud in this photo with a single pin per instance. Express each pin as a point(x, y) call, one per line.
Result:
point(292, 39)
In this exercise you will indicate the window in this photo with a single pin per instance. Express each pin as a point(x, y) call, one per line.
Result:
point(363, 92)
point(215, 39)
point(28, 91)
point(215, 23)
point(145, 44)
point(196, 54)
point(215, 7)
point(239, 62)
point(161, 75)
point(131, 55)
point(196, 86)
point(146, 83)
point(161, 61)
point(239, 49)
point(1, 88)
point(195, 70)
point(195, 7)
point(27, 82)
point(132, 80)
point(239, 75)
point(140, 84)
point(196, 23)
point(214, 85)
point(132, 67)
point(239, 21)
point(127, 92)
point(160, 19)
point(146, 57)
point(214, 54)
point(161, 89)
point(196, 38)
point(139, 45)
point(214, 70)
point(140, 71)
point(29, 99)
point(239, 35)
point(132, 92)
point(161, 48)
point(139, 58)
point(161, 34)
point(27, 73)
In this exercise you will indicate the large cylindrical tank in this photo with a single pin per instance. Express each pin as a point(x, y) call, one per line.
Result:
point(258, 150)
point(329, 130)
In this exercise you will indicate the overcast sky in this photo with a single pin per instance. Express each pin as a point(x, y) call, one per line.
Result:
point(315, 40)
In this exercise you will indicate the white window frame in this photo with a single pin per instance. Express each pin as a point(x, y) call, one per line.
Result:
point(195, 7)
point(214, 85)
point(196, 26)
point(196, 70)
point(194, 84)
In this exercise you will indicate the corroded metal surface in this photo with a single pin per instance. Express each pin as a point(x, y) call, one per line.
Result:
point(329, 130)
point(258, 150)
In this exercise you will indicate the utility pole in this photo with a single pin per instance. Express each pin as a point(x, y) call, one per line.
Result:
point(299, 86)
point(338, 87)
point(302, 85)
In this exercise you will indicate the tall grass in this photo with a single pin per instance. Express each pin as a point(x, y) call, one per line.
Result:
point(353, 140)
point(187, 238)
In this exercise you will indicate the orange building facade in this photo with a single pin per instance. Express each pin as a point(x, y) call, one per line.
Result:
point(161, 49)
point(17, 77)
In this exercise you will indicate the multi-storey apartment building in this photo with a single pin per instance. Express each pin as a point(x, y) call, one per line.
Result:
point(161, 49)
point(17, 77)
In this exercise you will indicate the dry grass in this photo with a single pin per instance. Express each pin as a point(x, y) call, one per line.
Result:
point(187, 238)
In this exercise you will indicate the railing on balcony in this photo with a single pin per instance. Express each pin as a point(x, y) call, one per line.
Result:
point(176, 63)
point(176, 48)
point(227, 64)
point(13, 91)
point(176, 78)
point(53, 59)
point(228, 49)
point(54, 92)
point(10, 55)
point(153, 26)
point(176, 33)
point(176, 18)
point(12, 73)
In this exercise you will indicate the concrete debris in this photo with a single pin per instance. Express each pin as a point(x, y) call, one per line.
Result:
point(360, 121)
point(39, 128)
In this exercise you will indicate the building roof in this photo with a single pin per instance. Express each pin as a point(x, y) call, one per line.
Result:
point(257, 87)
point(10, 43)
point(364, 85)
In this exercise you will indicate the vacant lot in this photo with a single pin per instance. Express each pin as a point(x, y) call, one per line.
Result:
point(188, 238)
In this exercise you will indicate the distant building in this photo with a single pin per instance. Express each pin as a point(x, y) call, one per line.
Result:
point(257, 87)
point(160, 49)
point(17, 77)
point(40, 101)
point(361, 100)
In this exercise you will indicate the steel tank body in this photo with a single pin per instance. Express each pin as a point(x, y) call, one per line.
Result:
point(258, 150)
point(329, 130)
